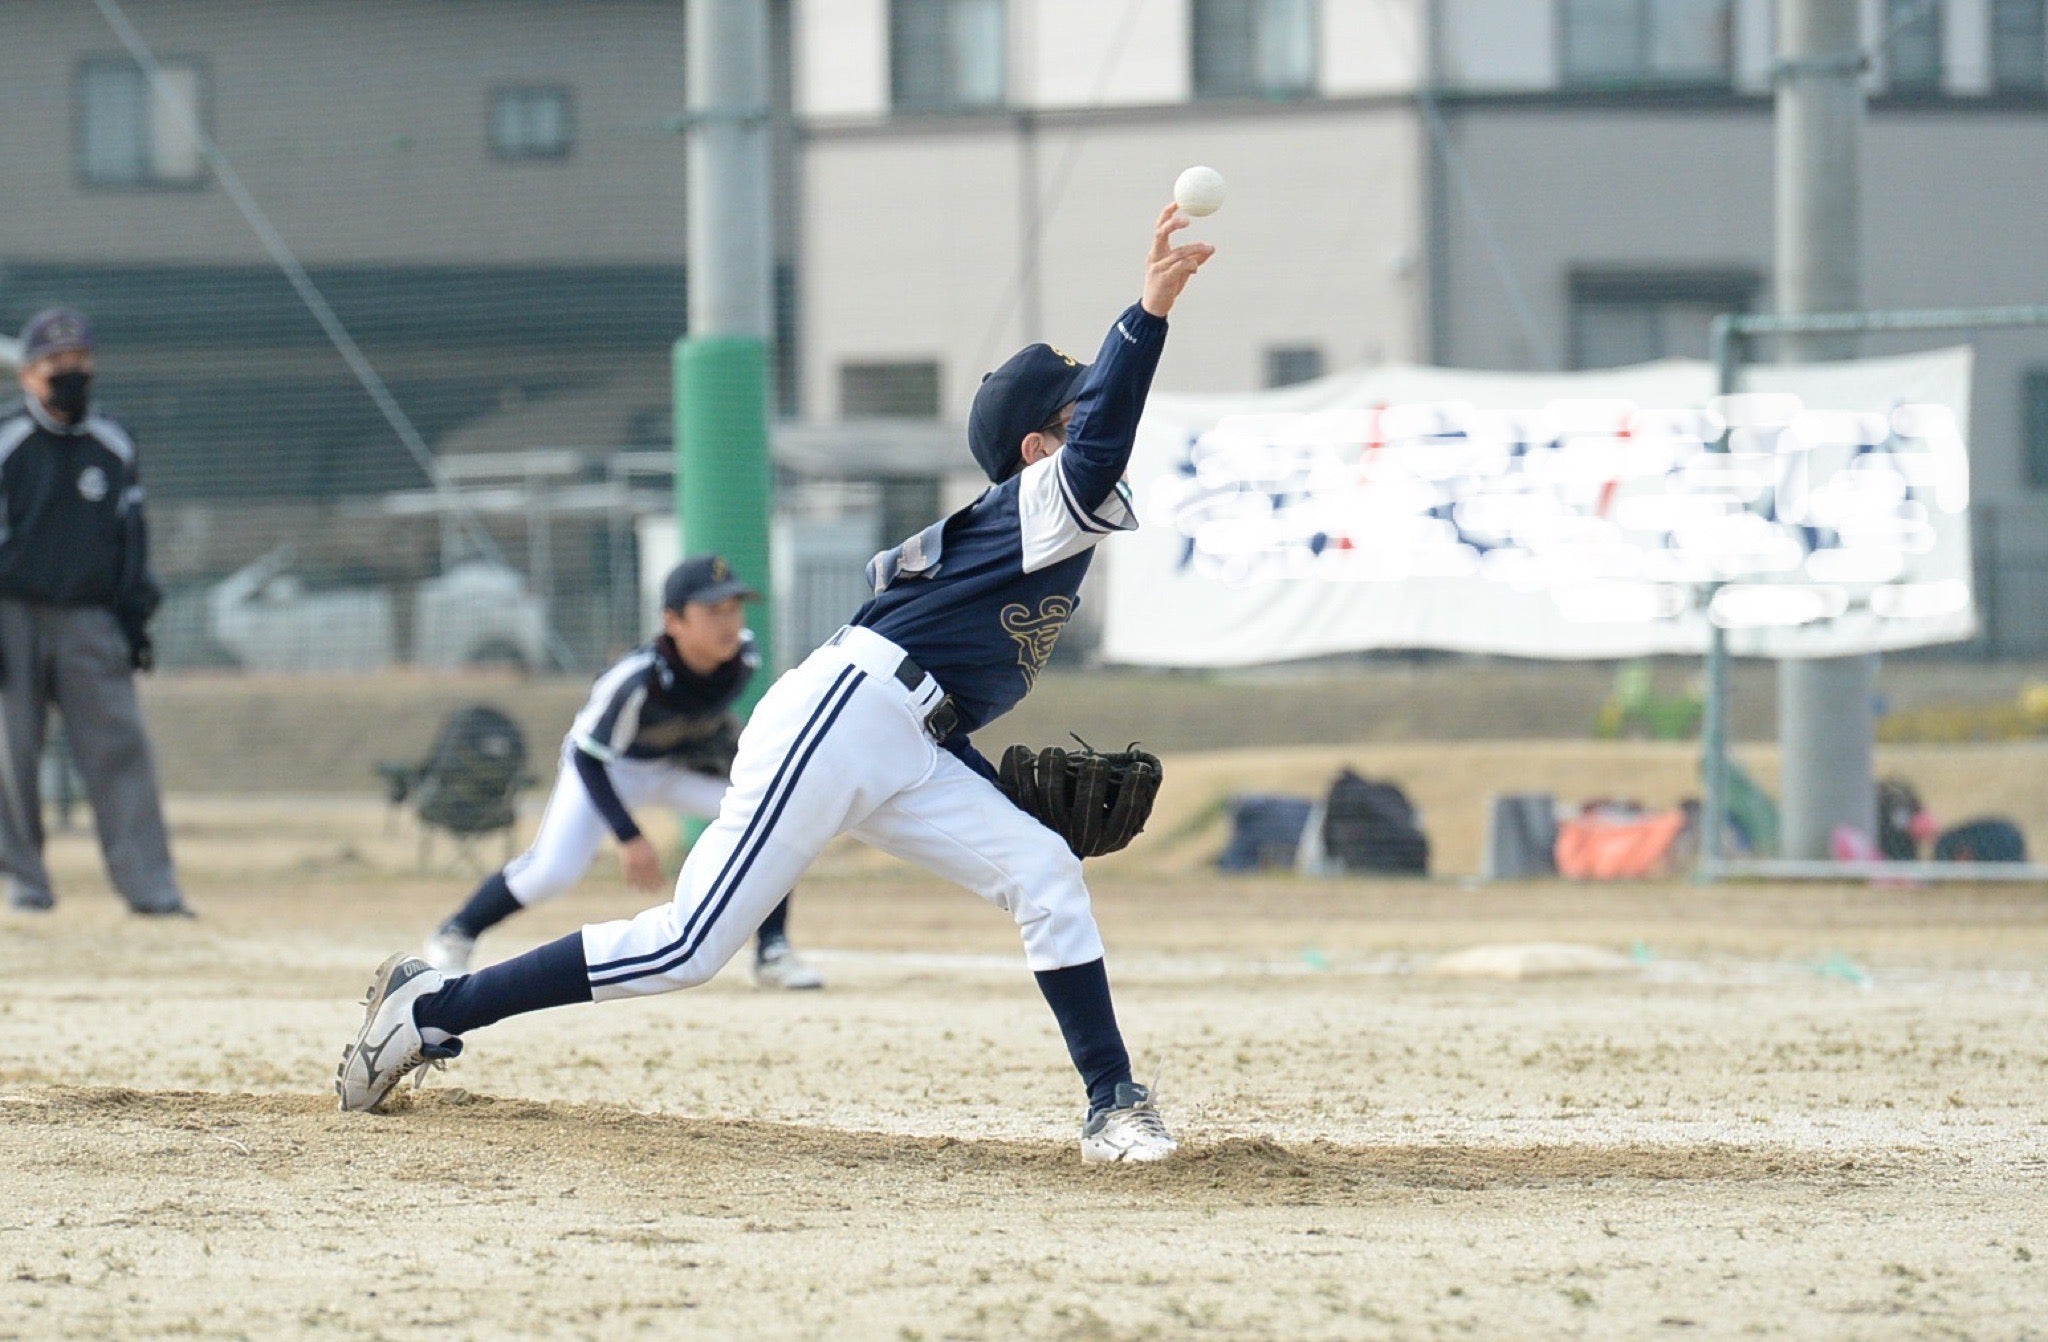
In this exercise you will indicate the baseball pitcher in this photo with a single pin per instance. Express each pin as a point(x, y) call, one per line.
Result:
point(869, 736)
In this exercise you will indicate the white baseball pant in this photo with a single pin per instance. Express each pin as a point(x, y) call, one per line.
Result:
point(838, 746)
point(572, 829)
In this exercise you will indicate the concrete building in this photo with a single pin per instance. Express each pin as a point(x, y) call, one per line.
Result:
point(490, 194)
point(1623, 218)
point(1513, 184)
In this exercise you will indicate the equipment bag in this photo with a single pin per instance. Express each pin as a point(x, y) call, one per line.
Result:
point(1372, 826)
point(1605, 842)
point(1265, 831)
point(1898, 807)
point(1987, 839)
point(1521, 837)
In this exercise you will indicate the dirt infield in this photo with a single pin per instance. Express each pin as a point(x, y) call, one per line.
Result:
point(1812, 1113)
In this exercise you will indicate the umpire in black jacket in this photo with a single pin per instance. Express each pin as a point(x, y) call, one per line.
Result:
point(75, 602)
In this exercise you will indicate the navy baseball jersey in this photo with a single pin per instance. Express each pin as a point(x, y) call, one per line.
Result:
point(979, 599)
point(650, 706)
point(71, 528)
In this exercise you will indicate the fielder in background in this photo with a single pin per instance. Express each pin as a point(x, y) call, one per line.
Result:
point(658, 731)
point(75, 600)
point(869, 736)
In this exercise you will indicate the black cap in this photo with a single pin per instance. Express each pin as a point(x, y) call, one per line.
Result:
point(1017, 399)
point(703, 578)
point(54, 331)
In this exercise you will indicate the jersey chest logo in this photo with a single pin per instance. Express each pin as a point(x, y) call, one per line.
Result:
point(1035, 634)
point(92, 484)
point(676, 731)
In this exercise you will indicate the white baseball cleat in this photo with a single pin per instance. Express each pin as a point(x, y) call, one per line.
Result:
point(449, 951)
point(1129, 1130)
point(777, 965)
point(389, 1046)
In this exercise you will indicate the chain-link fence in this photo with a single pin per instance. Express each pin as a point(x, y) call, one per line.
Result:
point(2012, 565)
point(385, 292)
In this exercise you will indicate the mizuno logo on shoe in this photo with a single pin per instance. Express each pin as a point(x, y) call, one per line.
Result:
point(369, 1055)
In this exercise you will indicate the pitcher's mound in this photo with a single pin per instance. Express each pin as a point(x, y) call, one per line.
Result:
point(1537, 960)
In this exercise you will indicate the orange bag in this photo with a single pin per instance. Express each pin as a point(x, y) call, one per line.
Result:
point(1603, 844)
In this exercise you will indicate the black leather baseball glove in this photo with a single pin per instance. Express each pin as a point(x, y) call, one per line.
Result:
point(713, 752)
point(1097, 802)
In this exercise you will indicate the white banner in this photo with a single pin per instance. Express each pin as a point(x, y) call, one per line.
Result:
point(1579, 515)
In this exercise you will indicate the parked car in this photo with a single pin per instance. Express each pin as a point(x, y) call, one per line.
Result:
point(479, 614)
point(266, 618)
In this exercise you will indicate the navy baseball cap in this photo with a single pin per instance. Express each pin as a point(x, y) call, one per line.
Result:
point(703, 578)
point(1018, 399)
point(54, 331)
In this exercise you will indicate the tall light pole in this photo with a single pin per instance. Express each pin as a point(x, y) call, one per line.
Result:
point(1826, 730)
point(724, 482)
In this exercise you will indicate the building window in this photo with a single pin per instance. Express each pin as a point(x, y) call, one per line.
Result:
point(946, 55)
point(1633, 42)
point(1289, 364)
point(135, 133)
point(903, 390)
point(1254, 48)
point(2034, 416)
point(532, 122)
point(1620, 318)
point(2019, 44)
point(1913, 44)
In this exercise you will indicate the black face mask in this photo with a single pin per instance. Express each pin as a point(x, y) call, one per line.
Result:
point(69, 393)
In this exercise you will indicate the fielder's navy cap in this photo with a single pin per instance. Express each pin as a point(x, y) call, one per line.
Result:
point(703, 578)
point(54, 331)
point(1017, 399)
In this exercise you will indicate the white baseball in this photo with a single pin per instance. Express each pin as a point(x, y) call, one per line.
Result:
point(1199, 191)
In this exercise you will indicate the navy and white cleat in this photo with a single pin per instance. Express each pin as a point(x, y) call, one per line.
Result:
point(777, 965)
point(1131, 1130)
point(389, 1046)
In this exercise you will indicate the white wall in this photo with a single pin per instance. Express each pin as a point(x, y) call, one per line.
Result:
point(842, 58)
point(1078, 53)
point(1966, 46)
point(909, 243)
point(1500, 45)
point(1373, 46)
point(913, 246)
point(1081, 53)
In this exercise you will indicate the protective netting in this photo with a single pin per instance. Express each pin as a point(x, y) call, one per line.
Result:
point(490, 201)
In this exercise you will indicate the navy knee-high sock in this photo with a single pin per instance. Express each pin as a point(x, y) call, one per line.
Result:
point(490, 905)
point(775, 926)
point(1079, 998)
point(546, 976)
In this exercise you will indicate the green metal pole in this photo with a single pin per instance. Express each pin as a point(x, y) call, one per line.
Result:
point(724, 485)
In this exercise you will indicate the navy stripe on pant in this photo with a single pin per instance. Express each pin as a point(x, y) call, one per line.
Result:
point(737, 864)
